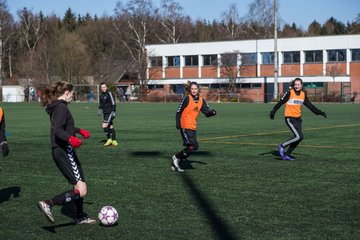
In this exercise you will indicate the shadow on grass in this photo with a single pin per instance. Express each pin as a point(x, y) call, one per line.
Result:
point(202, 153)
point(187, 164)
point(277, 154)
point(220, 228)
point(53, 228)
point(6, 193)
point(146, 153)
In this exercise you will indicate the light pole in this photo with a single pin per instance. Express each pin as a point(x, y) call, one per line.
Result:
point(275, 54)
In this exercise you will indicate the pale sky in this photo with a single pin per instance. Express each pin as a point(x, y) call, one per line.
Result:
point(302, 12)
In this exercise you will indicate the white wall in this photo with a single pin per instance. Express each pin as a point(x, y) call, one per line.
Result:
point(13, 94)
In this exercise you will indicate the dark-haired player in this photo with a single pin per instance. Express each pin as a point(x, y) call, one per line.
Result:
point(107, 107)
point(63, 142)
point(186, 116)
point(293, 100)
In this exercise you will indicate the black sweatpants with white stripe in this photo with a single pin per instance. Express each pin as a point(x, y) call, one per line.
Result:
point(295, 125)
point(68, 163)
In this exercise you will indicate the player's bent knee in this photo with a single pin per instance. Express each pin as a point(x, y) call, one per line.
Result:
point(81, 186)
point(193, 148)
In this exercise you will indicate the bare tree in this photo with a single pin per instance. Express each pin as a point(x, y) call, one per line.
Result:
point(134, 21)
point(231, 23)
point(6, 31)
point(229, 70)
point(32, 29)
point(172, 21)
point(260, 18)
point(333, 71)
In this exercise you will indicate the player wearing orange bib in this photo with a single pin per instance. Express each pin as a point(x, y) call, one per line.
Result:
point(293, 100)
point(186, 117)
point(3, 142)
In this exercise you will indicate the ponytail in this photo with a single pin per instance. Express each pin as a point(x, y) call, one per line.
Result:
point(55, 90)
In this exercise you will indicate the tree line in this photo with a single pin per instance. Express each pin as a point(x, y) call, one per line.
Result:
point(79, 48)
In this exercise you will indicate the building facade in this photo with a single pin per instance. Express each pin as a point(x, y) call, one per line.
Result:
point(328, 65)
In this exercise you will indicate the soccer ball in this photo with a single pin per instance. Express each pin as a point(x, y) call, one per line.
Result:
point(108, 216)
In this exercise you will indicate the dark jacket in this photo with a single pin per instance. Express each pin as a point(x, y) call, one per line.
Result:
point(62, 124)
point(107, 102)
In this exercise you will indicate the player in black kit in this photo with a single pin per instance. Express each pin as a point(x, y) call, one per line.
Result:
point(107, 107)
point(63, 142)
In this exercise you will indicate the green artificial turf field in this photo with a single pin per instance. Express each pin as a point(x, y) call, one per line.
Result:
point(235, 187)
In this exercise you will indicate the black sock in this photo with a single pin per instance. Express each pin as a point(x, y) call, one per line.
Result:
point(183, 154)
point(113, 134)
point(107, 133)
point(79, 202)
point(64, 197)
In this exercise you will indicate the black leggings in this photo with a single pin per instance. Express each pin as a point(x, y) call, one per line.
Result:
point(295, 125)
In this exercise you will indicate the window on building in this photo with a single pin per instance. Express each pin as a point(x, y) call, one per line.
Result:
point(249, 85)
point(338, 55)
point(156, 61)
point(267, 58)
point(173, 61)
point(156, 86)
point(355, 54)
point(215, 86)
point(313, 84)
point(192, 60)
point(291, 57)
point(210, 60)
point(229, 59)
point(314, 56)
point(248, 59)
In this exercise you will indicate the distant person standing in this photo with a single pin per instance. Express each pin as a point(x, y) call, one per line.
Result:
point(293, 100)
point(128, 94)
point(91, 96)
point(107, 108)
point(121, 94)
point(26, 94)
point(39, 95)
point(32, 94)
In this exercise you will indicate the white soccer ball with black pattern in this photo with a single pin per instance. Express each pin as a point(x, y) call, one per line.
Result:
point(108, 216)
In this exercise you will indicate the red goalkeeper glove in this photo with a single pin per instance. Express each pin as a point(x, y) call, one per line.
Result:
point(84, 133)
point(75, 142)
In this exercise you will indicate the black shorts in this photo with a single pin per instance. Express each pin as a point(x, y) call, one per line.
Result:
point(68, 164)
point(108, 118)
point(188, 136)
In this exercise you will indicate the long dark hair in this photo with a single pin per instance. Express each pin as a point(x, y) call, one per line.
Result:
point(188, 87)
point(55, 90)
point(296, 79)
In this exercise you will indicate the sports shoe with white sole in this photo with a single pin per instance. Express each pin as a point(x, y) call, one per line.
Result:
point(175, 165)
point(85, 220)
point(46, 209)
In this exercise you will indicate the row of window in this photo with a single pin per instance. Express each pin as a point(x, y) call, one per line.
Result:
point(175, 88)
point(230, 59)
